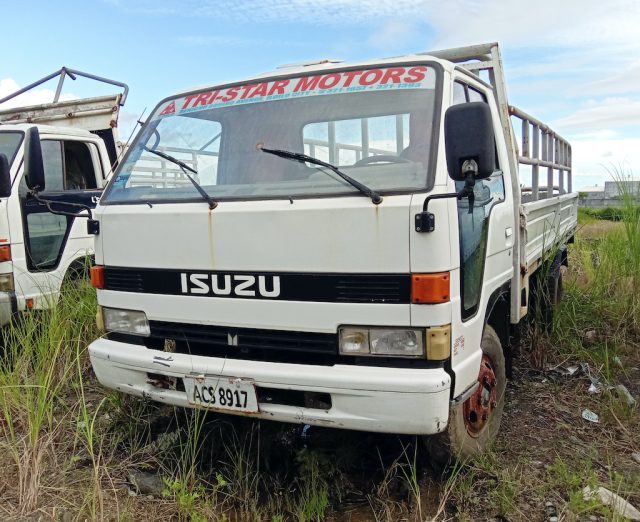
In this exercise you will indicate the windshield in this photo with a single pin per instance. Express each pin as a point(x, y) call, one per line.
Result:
point(375, 125)
point(9, 144)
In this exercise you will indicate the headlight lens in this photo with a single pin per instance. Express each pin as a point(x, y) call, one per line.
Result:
point(382, 341)
point(125, 321)
point(354, 341)
point(6, 282)
point(397, 342)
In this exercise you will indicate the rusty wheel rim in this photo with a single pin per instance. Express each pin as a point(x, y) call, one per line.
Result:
point(478, 408)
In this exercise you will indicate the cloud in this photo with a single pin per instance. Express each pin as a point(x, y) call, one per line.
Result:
point(392, 34)
point(33, 97)
point(595, 155)
point(609, 113)
point(548, 23)
point(338, 12)
point(230, 41)
point(620, 82)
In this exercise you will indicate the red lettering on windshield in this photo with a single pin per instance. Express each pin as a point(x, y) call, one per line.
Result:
point(169, 109)
point(371, 77)
point(278, 87)
point(306, 83)
point(188, 100)
point(330, 80)
point(231, 94)
point(202, 99)
point(245, 90)
point(260, 90)
point(395, 75)
point(416, 74)
point(350, 75)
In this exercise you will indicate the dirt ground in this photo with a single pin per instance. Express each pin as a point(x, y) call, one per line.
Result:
point(232, 468)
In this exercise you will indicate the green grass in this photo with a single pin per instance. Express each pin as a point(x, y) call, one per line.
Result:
point(41, 373)
point(66, 444)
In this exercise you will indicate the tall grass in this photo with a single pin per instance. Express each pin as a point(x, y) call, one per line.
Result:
point(38, 373)
point(603, 305)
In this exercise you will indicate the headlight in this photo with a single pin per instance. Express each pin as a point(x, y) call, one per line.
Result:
point(382, 341)
point(6, 282)
point(125, 321)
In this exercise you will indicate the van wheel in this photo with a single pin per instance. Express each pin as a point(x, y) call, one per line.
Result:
point(474, 424)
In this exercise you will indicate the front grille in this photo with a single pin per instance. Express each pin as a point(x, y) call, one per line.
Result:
point(378, 289)
point(314, 287)
point(246, 343)
point(123, 280)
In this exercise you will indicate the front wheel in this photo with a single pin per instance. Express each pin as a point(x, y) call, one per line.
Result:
point(474, 424)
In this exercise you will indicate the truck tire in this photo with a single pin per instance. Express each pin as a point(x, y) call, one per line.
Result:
point(546, 297)
point(556, 287)
point(474, 424)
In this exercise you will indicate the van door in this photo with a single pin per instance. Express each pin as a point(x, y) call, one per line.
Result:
point(73, 174)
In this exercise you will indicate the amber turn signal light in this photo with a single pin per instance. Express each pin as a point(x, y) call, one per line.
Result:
point(5, 253)
point(430, 288)
point(97, 276)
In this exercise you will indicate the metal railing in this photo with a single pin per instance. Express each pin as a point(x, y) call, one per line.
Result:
point(361, 151)
point(71, 73)
point(541, 147)
point(161, 173)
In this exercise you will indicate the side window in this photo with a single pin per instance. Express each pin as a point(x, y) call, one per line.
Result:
point(476, 96)
point(53, 161)
point(473, 225)
point(68, 165)
point(79, 172)
point(473, 222)
point(459, 93)
point(46, 233)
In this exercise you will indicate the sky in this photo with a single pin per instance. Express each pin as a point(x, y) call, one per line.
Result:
point(574, 64)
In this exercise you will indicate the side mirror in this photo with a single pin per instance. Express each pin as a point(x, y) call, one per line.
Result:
point(5, 177)
point(468, 135)
point(33, 165)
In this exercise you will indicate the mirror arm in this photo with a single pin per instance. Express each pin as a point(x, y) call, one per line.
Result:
point(49, 202)
point(93, 226)
point(426, 221)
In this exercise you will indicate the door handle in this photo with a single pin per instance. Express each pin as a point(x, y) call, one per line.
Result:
point(508, 234)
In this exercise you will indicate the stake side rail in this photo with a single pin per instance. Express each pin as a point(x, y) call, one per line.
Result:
point(541, 147)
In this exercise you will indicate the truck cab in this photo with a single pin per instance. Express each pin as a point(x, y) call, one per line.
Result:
point(78, 150)
point(305, 246)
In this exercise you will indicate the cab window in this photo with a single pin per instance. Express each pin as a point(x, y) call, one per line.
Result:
point(68, 165)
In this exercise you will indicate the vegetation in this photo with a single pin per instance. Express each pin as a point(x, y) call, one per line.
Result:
point(71, 450)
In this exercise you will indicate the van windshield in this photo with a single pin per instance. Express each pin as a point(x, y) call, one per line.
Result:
point(374, 124)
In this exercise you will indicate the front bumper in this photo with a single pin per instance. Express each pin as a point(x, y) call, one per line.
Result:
point(380, 399)
point(8, 307)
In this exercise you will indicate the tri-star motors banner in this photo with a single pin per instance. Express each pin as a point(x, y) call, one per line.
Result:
point(408, 77)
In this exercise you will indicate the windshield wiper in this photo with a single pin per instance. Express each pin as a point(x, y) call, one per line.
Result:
point(303, 158)
point(212, 203)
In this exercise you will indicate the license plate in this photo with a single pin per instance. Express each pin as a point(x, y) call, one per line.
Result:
point(222, 393)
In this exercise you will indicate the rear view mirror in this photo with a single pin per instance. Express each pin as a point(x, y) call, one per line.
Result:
point(33, 165)
point(468, 135)
point(5, 177)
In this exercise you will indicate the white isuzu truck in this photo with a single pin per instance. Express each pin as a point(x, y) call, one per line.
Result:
point(44, 238)
point(342, 245)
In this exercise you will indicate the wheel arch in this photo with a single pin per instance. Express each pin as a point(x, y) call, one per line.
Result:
point(498, 316)
point(79, 267)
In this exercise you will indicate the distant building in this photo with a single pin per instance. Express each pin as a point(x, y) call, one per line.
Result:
point(609, 195)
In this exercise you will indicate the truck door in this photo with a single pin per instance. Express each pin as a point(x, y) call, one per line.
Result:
point(73, 173)
point(485, 242)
